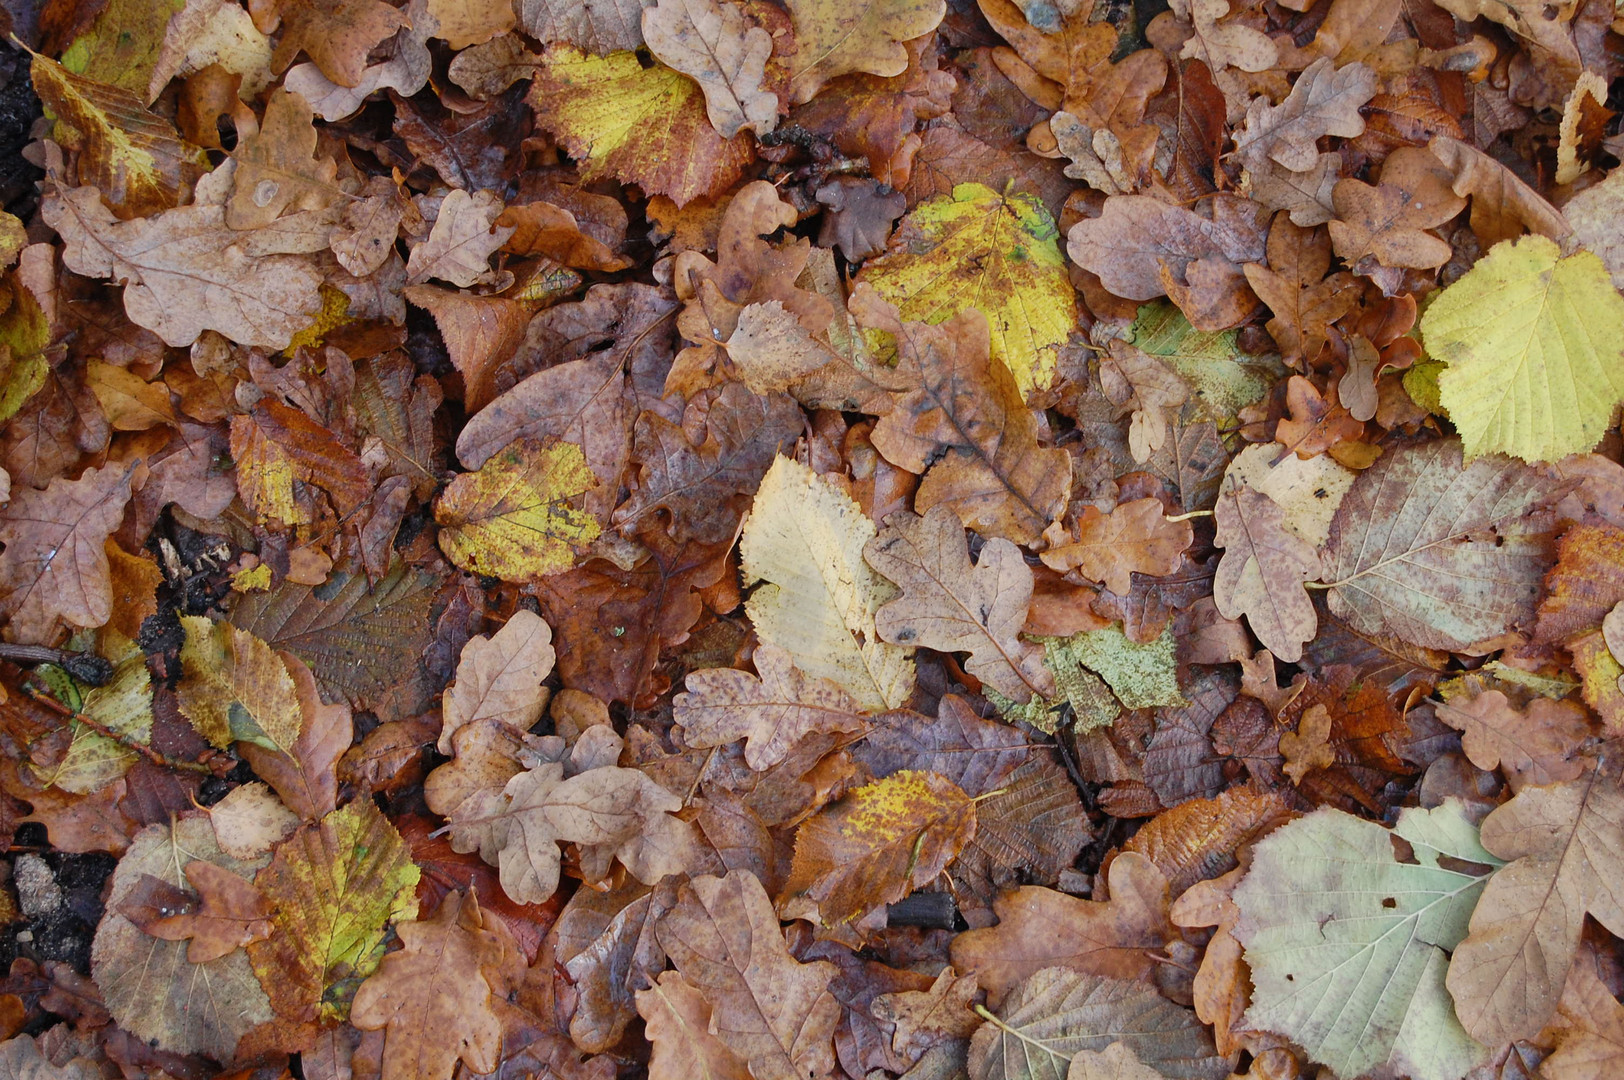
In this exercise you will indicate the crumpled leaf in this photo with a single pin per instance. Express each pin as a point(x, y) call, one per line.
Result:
point(1532, 343)
point(1561, 844)
point(1583, 592)
point(336, 35)
point(54, 568)
point(1134, 538)
point(513, 518)
point(951, 606)
point(997, 253)
point(771, 712)
point(1041, 928)
point(459, 247)
point(437, 996)
point(184, 272)
point(713, 42)
point(1347, 944)
point(838, 39)
point(768, 1008)
point(1263, 570)
point(1409, 556)
point(878, 844)
point(805, 538)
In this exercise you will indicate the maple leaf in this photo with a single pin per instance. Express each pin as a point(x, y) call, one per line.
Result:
point(769, 1009)
point(1294, 285)
point(713, 42)
point(513, 518)
point(132, 156)
point(1389, 222)
point(435, 997)
point(1409, 556)
point(772, 712)
point(1561, 846)
point(837, 39)
point(878, 844)
point(1262, 572)
point(997, 253)
point(54, 567)
point(950, 606)
point(1041, 928)
point(1394, 920)
point(184, 271)
point(964, 424)
point(1134, 538)
point(805, 538)
point(1533, 746)
point(645, 126)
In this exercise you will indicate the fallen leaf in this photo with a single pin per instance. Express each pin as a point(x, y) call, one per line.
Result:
point(277, 171)
point(337, 36)
point(231, 914)
point(712, 42)
point(1582, 592)
point(1294, 285)
point(602, 26)
point(459, 247)
point(1533, 745)
point(1134, 538)
point(834, 40)
point(1390, 221)
point(1308, 748)
point(1138, 237)
point(1263, 570)
point(54, 568)
point(500, 677)
point(978, 755)
point(1589, 1027)
point(1325, 100)
point(678, 1022)
point(513, 518)
point(1132, 378)
point(925, 1018)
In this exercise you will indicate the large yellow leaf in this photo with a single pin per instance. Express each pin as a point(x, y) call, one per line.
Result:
point(234, 686)
point(806, 539)
point(997, 253)
point(514, 518)
point(1533, 343)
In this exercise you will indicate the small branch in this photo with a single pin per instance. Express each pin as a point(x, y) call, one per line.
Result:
point(1192, 514)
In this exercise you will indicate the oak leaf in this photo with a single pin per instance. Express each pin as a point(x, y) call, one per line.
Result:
point(185, 272)
point(277, 169)
point(1294, 286)
point(713, 42)
point(978, 755)
point(766, 1007)
point(1263, 570)
point(1583, 592)
point(598, 26)
point(1561, 846)
point(1503, 206)
point(499, 677)
point(336, 35)
point(1134, 379)
point(1589, 1027)
point(838, 39)
point(459, 247)
point(878, 844)
point(677, 1019)
point(1041, 928)
point(513, 518)
point(1134, 538)
point(401, 63)
point(924, 1018)
point(1533, 745)
point(771, 713)
point(1139, 242)
point(951, 606)
point(436, 997)
point(231, 914)
point(1389, 221)
point(54, 568)
point(805, 538)
point(1324, 101)
point(541, 228)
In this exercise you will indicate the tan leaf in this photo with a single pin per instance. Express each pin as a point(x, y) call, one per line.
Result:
point(499, 677)
point(464, 23)
point(768, 1008)
point(1132, 378)
point(1134, 538)
point(878, 844)
point(951, 606)
point(184, 271)
point(277, 168)
point(231, 914)
point(304, 774)
point(337, 34)
point(54, 567)
point(540, 228)
point(677, 1019)
point(1040, 928)
point(1533, 746)
point(772, 711)
point(1507, 976)
point(1389, 222)
point(1324, 101)
point(1589, 1027)
point(838, 39)
point(1294, 286)
point(459, 247)
point(713, 43)
point(1262, 572)
point(924, 1018)
point(1308, 748)
point(436, 996)
point(250, 821)
point(1503, 206)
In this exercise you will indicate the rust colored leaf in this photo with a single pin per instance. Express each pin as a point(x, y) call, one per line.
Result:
point(54, 568)
point(1582, 590)
point(1533, 745)
point(231, 913)
point(1134, 538)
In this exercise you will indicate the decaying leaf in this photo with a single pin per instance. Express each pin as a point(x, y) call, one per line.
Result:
point(1263, 570)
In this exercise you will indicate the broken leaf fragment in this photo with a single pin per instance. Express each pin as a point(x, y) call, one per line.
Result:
point(517, 518)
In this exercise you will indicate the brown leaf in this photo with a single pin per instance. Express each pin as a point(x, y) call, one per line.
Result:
point(1533, 746)
point(1589, 1027)
point(769, 1009)
point(1582, 591)
point(599, 27)
point(306, 776)
point(678, 1021)
point(1294, 286)
point(607, 944)
point(1137, 236)
point(231, 914)
point(499, 678)
point(1132, 378)
point(435, 996)
point(279, 449)
point(1308, 748)
point(878, 844)
point(54, 568)
point(1262, 572)
point(978, 755)
point(772, 712)
point(1199, 839)
point(336, 35)
point(1389, 222)
point(1134, 538)
point(459, 247)
point(1503, 206)
point(540, 228)
point(1507, 975)
point(277, 171)
point(926, 1018)
point(715, 44)
point(1324, 101)
point(480, 332)
point(835, 40)
point(964, 412)
point(1220, 984)
point(1040, 928)
point(951, 606)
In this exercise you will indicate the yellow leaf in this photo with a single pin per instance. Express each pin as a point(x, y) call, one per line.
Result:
point(806, 539)
point(234, 686)
point(999, 254)
point(513, 519)
point(836, 38)
point(1533, 344)
point(134, 157)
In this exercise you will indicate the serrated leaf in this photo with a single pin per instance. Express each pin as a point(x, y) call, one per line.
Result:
point(999, 254)
point(1532, 341)
point(234, 686)
point(805, 539)
point(1348, 945)
point(515, 518)
point(335, 884)
point(122, 707)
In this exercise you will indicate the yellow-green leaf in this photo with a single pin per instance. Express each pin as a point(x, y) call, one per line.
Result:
point(997, 253)
point(805, 538)
point(335, 884)
point(1224, 378)
point(122, 707)
point(1535, 348)
point(518, 517)
point(1141, 676)
point(234, 686)
point(133, 157)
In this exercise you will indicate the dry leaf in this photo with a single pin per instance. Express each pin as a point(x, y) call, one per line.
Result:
point(1263, 570)
point(712, 42)
point(1134, 538)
